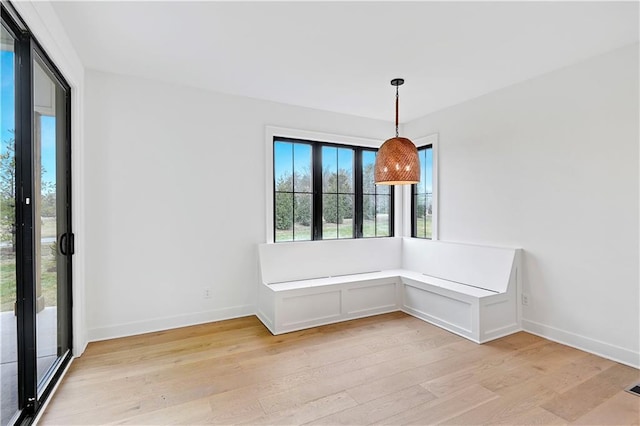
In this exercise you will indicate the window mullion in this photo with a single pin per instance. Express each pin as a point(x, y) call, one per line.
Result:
point(293, 192)
point(317, 191)
point(392, 211)
point(414, 220)
point(358, 195)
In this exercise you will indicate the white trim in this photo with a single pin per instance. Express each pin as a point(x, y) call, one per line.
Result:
point(43, 23)
point(167, 323)
point(273, 131)
point(587, 344)
point(406, 191)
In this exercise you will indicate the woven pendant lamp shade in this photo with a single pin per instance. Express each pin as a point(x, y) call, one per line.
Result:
point(397, 163)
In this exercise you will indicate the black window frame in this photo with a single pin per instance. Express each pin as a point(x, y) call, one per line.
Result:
point(414, 224)
point(317, 190)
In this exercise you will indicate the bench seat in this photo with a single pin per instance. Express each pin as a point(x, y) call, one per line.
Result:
point(468, 290)
point(409, 277)
point(340, 279)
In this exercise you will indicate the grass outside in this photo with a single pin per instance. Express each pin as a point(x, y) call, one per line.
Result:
point(48, 227)
point(48, 277)
point(423, 227)
point(332, 231)
point(345, 229)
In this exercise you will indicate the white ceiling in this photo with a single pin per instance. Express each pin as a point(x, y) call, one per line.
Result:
point(340, 56)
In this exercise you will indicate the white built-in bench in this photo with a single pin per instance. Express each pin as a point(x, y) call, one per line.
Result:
point(467, 289)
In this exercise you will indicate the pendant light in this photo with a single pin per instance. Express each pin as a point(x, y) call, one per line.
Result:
point(397, 160)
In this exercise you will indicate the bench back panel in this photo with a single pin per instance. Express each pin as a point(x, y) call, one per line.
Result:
point(281, 262)
point(480, 266)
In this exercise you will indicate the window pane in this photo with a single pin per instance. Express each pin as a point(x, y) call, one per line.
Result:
point(329, 169)
point(383, 189)
point(421, 226)
point(294, 187)
point(345, 209)
point(337, 170)
point(420, 200)
point(375, 208)
point(345, 170)
point(303, 224)
point(369, 216)
point(302, 167)
point(283, 165)
point(420, 187)
point(368, 163)
point(383, 218)
point(329, 231)
point(330, 217)
point(428, 170)
point(284, 216)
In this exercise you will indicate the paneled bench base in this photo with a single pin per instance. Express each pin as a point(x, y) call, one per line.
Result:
point(285, 310)
point(478, 301)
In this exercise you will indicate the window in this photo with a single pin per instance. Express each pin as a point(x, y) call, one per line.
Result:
point(338, 193)
point(422, 196)
point(376, 201)
point(293, 196)
point(325, 191)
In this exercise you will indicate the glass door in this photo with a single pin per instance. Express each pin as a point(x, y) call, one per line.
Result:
point(36, 243)
point(53, 241)
point(8, 287)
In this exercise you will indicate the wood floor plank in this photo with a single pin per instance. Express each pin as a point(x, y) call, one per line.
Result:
point(511, 403)
point(441, 409)
point(192, 412)
point(576, 372)
point(584, 397)
point(534, 416)
point(458, 354)
point(489, 369)
point(307, 412)
point(621, 409)
point(343, 375)
point(378, 409)
point(391, 369)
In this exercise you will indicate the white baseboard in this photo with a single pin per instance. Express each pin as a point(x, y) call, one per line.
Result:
point(603, 349)
point(587, 344)
point(266, 321)
point(160, 324)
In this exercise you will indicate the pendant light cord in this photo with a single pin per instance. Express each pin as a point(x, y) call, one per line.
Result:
point(397, 97)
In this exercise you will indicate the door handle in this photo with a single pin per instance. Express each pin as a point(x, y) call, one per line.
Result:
point(63, 239)
point(67, 244)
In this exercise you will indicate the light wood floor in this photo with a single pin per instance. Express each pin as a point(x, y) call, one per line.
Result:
point(388, 369)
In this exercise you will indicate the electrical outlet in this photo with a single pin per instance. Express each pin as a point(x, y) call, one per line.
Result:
point(525, 299)
point(206, 294)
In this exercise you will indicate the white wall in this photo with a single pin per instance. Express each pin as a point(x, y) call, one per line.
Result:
point(45, 26)
point(176, 200)
point(551, 165)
